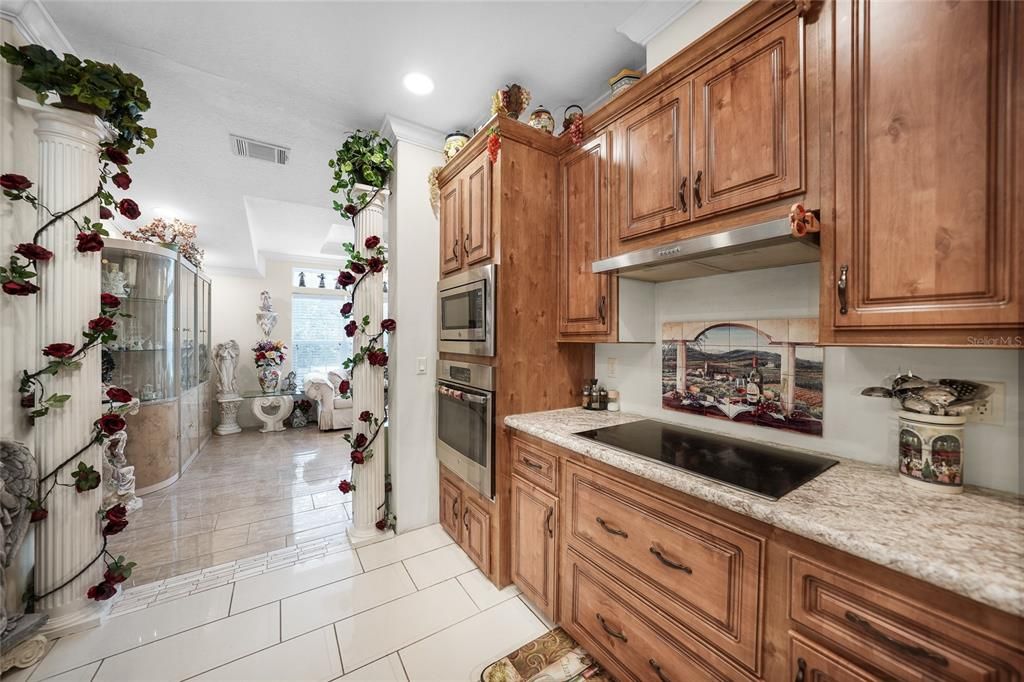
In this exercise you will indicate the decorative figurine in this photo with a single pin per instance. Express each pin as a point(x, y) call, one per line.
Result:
point(453, 142)
point(226, 361)
point(302, 279)
point(323, 284)
point(114, 282)
point(289, 385)
point(266, 317)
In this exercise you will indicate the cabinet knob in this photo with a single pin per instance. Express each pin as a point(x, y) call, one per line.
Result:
point(841, 288)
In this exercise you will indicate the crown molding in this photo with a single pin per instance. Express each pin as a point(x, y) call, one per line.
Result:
point(652, 18)
point(35, 24)
point(396, 129)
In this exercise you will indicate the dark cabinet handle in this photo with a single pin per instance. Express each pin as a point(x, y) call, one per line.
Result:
point(682, 194)
point(841, 288)
point(464, 521)
point(600, 309)
point(910, 649)
point(657, 670)
point(532, 464)
point(668, 562)
point(696, 188)
point(613, 633)
point(610, 529)
point(547, 522)
point(455, 508)
point(455, 249)
point(465, 244)
point(801, 670)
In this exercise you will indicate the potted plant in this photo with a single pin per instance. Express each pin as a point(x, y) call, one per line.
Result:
point(104, 90)
point(364, 159)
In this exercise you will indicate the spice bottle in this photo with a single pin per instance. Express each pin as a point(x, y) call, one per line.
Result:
point(586, 397)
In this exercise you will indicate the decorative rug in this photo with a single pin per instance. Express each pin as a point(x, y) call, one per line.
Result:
point(552, 657)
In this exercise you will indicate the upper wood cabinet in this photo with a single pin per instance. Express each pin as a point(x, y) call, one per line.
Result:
point(584, 298)
point(466, 232)
point(476, 206)
point(747, 127)
point(652, 164)
point(929, 108)
point(451, 226)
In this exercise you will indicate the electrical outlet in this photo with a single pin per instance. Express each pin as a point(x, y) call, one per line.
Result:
point(993, 410)
point(613, 366)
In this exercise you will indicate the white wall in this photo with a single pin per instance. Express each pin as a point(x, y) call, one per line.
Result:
point(704, 16)
point(413, 238)
point(855, 427)
point(234, 303)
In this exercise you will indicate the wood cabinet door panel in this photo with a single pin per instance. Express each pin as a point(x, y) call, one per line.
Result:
point(704, 574)
point(627, 635)
point(584, 297)
point(534, 536)
point(928, 164)
point(906, 639)
point(451, 507)
point(809, 662)
point(476, 230)
point(652, 165)
point(476, 534)
point(748, 130)
point(451, 226)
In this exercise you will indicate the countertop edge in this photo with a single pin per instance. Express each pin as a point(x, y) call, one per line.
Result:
point(971, 585)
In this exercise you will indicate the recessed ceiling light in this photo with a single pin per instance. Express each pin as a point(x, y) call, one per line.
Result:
point(418, 83)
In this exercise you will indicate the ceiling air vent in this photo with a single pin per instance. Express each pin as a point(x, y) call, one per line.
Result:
point(253, 149)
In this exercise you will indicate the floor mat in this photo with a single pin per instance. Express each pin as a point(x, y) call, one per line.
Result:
point(552, 657)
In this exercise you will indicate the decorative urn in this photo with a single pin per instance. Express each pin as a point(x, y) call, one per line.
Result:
point(541, 119)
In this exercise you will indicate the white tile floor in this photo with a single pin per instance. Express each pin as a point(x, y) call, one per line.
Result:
point(410, 608)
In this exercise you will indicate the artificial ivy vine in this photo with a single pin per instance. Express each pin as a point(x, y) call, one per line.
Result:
point(363, 160)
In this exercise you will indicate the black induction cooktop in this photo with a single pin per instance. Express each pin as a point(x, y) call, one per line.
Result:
point(764, 470)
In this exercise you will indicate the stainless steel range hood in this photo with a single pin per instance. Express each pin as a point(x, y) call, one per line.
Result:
point(767, 245)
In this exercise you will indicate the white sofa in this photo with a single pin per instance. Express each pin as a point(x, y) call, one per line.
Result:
point(334, 411)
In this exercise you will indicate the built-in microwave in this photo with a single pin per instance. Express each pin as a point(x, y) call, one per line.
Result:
point(465, 312)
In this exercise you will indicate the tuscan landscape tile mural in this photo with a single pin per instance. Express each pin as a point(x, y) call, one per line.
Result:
point(764, 372)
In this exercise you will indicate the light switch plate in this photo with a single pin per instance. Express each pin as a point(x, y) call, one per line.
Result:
point(613, 366)
point(421, 365)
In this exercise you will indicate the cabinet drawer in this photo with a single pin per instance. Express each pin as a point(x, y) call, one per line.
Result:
point(626, 635)
point(904, 638)
point(701, 572)
point(535, 465)
point(812, 663)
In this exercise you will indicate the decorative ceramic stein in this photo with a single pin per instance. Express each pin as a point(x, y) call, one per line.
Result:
point(931, 451)
point(541, 119)
point(571, 112)
point(453, 142)
point(268, 377)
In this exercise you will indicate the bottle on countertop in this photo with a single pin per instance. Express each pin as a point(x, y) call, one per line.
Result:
point(613, 401)
point(586, 397)
point(603, 402)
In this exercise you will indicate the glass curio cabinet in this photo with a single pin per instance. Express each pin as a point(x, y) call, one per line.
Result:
point(161, 355)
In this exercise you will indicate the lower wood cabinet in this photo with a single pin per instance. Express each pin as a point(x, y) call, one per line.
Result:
point(659, 587)
point(534, 555)
point(467, 518)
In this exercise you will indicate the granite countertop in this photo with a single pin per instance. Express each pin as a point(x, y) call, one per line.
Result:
point(971, 544)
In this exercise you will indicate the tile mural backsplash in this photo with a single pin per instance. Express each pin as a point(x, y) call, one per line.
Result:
point(763, 372)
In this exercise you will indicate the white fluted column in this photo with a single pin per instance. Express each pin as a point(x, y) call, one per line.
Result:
point(70, 537)
point(368, 382)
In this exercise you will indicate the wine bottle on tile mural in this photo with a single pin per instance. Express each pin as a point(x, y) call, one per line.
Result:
point(755, 383)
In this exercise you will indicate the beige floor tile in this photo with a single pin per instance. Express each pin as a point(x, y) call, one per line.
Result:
point(226, 538)
point(328, 498)
point(320, 532)
point(286, 525)
point(247, 550)
point(262, 512)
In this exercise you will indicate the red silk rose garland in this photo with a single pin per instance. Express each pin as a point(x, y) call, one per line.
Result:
point(15, 280)
point(357, 269)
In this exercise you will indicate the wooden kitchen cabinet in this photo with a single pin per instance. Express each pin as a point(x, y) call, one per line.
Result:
point(466, 518)
point(929, 163)
point(451, 227)
point(809, 662)
point(534, 540)
point(465, 215)
point(585, 299)
point(652, 164)
point(747, 126)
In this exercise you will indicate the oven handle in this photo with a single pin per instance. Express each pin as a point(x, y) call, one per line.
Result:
point(463, 396)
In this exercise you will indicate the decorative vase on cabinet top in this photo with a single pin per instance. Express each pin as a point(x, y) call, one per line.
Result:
point(541, 119)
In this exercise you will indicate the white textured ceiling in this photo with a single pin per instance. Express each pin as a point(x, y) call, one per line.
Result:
point(303, 74)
